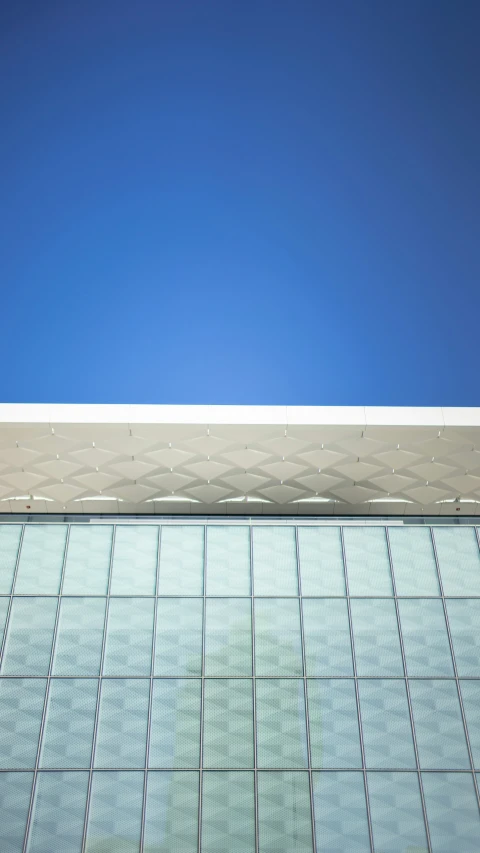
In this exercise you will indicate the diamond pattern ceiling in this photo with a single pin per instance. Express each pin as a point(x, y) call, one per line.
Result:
point(239, 460)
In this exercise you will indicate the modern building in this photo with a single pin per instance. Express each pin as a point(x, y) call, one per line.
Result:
point(239, 630)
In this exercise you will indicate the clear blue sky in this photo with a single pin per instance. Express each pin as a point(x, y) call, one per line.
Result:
point(240, 201)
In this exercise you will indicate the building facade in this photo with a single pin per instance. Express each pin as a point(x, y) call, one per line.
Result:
point(261, 685)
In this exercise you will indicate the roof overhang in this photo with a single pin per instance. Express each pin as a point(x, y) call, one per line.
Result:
point(239, 460)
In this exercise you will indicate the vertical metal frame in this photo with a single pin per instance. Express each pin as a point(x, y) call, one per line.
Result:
point(202, 695)
point(254, 694)
point(12, 588)
point(409, 698)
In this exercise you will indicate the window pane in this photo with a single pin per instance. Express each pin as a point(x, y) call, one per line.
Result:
point(452, 812)
point(327, 637)
point(425, 638)
point(9, 542)
point(471, 704)
point(228, 813)
point(122, 723)
point(228, 636)
point(396, 811)
point(58, 813)
point(334, 736)
point(464, 620)
point(459, 560)
point(413, 561)
point(228, 561)
point(114, 821)
point(340, 813)
point(278, 647)
point(15, 790)
point(4, 602)
point(275, 561)
point(284, 814)
point(29, 636)
point(281, 732)
point(67, 738)
point(128, 649)
point(178, 649)
point(175, 726)
point(375, 632)
point(171, 817)
point(21, 708)
point(321, 561)
point(41, 559)
point(368, 566)
point(228, 723)
point(387, 733)
point(88, 559)
point(181, 561)
point(438, 725)
point(134, 566)
point(78, 647)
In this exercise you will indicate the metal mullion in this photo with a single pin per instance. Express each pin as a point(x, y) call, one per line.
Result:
point(409, 698)
point(10, 603)
point(97, 708)
point(455, 670)
point(150, 698)
point(47, 693)
point(357, 695)
point(254, 698)
point(202, 693)
point(305, 693)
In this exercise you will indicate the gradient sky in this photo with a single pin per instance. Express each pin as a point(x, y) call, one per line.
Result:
point(240, 201)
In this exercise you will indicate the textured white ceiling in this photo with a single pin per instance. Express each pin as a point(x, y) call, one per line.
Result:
point(276, 460)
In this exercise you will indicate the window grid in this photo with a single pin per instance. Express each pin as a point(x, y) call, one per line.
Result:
point(419, 771)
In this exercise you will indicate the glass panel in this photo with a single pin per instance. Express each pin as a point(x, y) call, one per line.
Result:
point(275, 561)
point(396, 811)
point(464, 621)
point(115, 816)
point(29, 636)
point(181, 561)
point(15, 790)
point(9, 542)
point(134, 566)
point(175, 726)
point(425, 638)
point(228, 636)
point(284, 814)
point(58, 813)
point(321, 561)
point(21, 708)
point(471, 704)
point(128, 647)
point(413, 561)
point(67, 738)
point(88, 559)
point(4, 602)
point(228, 723)
point(281, 731)
point(228, 561)
point(178, 650)
point(334, 736)
point(452, 812)
point(340, 813)
point(171, 817)
point(41, 559)
point(375, 632)
point(368, 566)
point(387, 733)
point(278, 647)
point(327, 637)
point(438, 725)
point(228, 812)
point(458, 560)
point(122, 723)
point(78, 647)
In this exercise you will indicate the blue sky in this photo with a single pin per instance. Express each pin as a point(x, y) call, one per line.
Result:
point(240, 201)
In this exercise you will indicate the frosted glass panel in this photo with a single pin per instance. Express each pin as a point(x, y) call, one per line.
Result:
point(69, 721)
point(228, 723)
point(452, 812)
point(178, 649)
point(278, 647)
point(387, 733)
point(122, 722)
point(171, 816)
point(367, 560)
point(181, 561)
point(340, 813)
point(115, 817)
point(228, 813)
point(375, 631)
point(327, 637)
point(41, 559)
point(58, 814)
point(321, 561)
point(175, 726)
point(458, 560)
point(134, 566)
point(396, 810)
point(228, 636)
point(464, 621)
point(15, 790)
point(88, 559)
point(128, 648)
point(29, 637)
point(228, 560)
point(78, 646)
point(471, 704)
point(281, 732)
point(413, 561)
point(438, 725)
point(284, 814)
point(274, 561)
point(334, 735)
point(425, 638)
point(9, 542)
point(21, 708)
